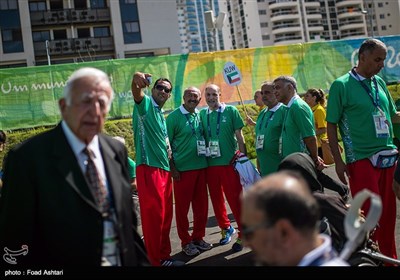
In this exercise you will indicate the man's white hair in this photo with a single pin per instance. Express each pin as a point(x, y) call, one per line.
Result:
point(85, 72)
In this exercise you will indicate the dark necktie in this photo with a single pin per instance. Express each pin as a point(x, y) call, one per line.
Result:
point(97, 187)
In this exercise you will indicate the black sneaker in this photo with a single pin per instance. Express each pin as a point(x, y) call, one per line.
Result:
point(172, 262)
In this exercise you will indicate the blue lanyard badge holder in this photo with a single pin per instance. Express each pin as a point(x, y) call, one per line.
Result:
point(213, 149)
point(381, 124)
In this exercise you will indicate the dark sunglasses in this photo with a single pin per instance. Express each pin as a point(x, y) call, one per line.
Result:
point(248, 231)
point(161, 87)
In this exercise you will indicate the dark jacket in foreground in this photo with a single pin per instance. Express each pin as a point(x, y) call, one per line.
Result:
point(46, 204)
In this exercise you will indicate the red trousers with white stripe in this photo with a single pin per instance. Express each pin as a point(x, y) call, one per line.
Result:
point(225, 180)
point(364, 175)
point(156, 210)
point(191, 188)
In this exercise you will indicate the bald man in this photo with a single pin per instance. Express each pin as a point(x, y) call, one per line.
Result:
point(279, 223)
point(222, 126)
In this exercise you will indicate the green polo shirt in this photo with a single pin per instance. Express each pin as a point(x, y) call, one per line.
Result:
point(351, 107)
point(229, 120)
point(150, 134)
point(184, 129)
point(299, 124)
point(269, 123)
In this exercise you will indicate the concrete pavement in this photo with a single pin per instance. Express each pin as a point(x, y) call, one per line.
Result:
point(223, 255)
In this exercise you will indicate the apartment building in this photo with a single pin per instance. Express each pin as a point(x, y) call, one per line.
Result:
point(41, 32)
point(193, 31)
point(296, 21)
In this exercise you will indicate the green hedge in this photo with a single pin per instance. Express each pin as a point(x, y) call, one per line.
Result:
point(123, 128)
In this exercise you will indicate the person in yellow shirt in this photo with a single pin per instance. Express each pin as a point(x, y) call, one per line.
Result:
point(315, 98)
point(258, 99)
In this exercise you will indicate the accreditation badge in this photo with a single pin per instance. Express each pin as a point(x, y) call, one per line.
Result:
point(214, 149)
point(201, 148)
point(381, 124)
point(260, 142)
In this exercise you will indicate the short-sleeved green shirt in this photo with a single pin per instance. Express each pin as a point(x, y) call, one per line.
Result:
point(269, 123)
point(131, 168)
point(350, 106)
point(150, 134)
point(184, 129)
point(229, 121)
point(298, 124)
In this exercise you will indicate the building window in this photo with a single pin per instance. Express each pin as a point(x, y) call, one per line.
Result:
point(383, 27)
point(12, 40)
point(262, 12)
point(381, 16)
point(10, 26)
point(130, 22)
point(97, 4)
point(60, 34)
point(264, 24)
point(132, 27)
point(40, 36)
point(83, 32)
point(37, 6)
point(57, 4)
point(380, 5)
point(8, 5)
point(79, 4)
point(101, 31)
point(265, 37)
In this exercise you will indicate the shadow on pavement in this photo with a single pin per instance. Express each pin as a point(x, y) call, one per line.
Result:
point(222, 259)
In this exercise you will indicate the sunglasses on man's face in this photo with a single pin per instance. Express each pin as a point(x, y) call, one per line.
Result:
point(248, 231)
point(161, 87)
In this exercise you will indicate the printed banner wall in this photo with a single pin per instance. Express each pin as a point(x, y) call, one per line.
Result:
point(29, 96)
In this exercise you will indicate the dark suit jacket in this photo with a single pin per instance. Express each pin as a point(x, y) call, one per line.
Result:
point(46, 204)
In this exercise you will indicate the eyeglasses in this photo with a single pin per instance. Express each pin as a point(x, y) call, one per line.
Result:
point(161, 87)
point(248, 231)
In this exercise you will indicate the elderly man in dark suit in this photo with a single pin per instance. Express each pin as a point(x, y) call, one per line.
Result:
point(66, 196)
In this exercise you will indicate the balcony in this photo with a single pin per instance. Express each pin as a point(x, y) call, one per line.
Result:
point(284, 15)
point(69, 16)
point(354, 25)
point(286, 28)
point(289, 39)
point(348, 3)
point(74, 46)
point(282, 4)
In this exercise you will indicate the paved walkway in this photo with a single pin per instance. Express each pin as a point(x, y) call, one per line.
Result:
point(223, 255)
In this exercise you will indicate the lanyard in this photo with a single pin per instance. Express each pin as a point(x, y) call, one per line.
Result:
point(369, 92)
point(164, 126)
point(269, 119)
point(191, 124)
point(218, 121)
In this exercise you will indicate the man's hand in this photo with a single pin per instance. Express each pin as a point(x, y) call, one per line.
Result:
point(139, 80)
point(320, 164)
point(341, 171)
point(250, 121)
